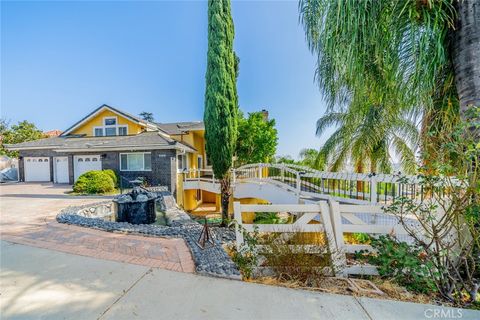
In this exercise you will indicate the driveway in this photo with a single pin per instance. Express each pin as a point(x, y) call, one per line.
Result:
point(27, 216)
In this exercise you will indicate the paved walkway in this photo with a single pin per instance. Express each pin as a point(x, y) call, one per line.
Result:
point(27, 216)
point(46, 284)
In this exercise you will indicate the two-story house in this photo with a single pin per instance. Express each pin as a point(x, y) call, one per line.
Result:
point(108, 138)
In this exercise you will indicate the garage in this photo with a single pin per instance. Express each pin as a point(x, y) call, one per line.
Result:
point(82, 164)
point(37, 169)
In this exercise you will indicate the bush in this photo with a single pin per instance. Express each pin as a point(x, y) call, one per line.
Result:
point(112, 175)
point(94, 182)
point(299, 257)
point(403, 263)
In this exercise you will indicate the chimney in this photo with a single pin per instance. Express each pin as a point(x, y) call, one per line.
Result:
point(265, 114)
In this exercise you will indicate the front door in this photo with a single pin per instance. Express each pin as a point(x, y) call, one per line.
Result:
point(60, 170)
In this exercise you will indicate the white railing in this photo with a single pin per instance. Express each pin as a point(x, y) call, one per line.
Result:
point(206, 175)
point(308, 183)
point(336, 221)
point(355, 188)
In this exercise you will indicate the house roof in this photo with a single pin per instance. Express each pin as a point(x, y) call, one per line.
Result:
point(144, 141)
point(53, 133)
point(115, 110)
point(181, 127)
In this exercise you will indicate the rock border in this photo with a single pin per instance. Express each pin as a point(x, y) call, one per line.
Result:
point(211, 261)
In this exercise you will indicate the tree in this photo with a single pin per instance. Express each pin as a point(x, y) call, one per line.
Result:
point(285, 159)
point(368, 137)
point(417, 47)
point(311, 158)
point(22, 132)
point(257, 139)
point(221, 101)
point(147, 116)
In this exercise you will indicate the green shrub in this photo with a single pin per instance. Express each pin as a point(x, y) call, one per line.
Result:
point(113, 175)
point(94, 182)
point(403, 263)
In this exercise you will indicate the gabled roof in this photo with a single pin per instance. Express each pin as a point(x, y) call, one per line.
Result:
point(146, 140)
point(133, 118)
point(181, 127)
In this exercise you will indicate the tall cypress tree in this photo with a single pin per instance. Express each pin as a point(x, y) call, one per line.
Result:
point(221, 102)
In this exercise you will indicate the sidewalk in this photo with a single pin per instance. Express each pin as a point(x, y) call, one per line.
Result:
point(38, 283)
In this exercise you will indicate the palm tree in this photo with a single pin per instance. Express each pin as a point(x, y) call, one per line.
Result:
point(369, 138)
point(310, 157)
point(417, 45)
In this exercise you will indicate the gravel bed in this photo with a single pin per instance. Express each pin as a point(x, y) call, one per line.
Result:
point(212, 260)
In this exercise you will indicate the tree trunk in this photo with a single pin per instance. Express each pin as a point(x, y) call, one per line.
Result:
point(225, 195)
point(466, 56)
point(359, 169)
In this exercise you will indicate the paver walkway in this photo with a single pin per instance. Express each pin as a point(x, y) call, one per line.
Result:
point(27, 216)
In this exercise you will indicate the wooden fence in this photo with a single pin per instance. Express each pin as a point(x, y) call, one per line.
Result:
point(335, 221)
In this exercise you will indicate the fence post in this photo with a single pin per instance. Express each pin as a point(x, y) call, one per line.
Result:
point(299, 184)
point(373, 189)
point(237, 215)
point(260, 171)
point(336, 220)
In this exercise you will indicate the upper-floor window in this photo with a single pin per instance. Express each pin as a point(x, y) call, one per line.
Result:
point(182, 163)
point(110, 128)
point(122, 131)
point(110, 121)
point(111, 131)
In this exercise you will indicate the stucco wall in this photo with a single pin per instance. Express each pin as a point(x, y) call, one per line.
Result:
point(97, 121)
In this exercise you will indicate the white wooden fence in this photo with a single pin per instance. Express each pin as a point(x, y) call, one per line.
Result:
point(336, 220)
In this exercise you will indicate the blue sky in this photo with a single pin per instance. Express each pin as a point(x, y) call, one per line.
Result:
point(60, 60)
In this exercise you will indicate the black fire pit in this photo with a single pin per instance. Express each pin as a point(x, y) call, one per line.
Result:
point(137, 206)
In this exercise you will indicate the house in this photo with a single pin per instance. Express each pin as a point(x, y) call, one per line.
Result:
point(108, 138)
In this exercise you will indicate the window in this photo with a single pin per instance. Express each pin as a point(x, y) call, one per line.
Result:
point(181, 162)
point(139, 161)
point(98, 132)
point(110, 131)
point(122, 131)
point(110, 128)
point(110, 121)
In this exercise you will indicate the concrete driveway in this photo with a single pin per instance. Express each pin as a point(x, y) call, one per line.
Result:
point(27, 216)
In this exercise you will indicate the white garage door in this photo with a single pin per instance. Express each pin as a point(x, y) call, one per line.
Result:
point(83, 164)
point(37, 168)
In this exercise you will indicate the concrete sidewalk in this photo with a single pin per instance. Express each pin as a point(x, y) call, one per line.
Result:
point(42, 284)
